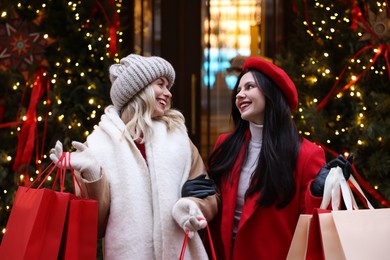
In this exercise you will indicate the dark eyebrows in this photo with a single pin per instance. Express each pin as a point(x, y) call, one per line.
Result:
point(246, 84)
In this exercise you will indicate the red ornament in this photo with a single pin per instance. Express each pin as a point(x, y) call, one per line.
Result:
point(21, 45)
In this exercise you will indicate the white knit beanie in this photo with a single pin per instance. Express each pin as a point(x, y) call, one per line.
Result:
point(134, 73)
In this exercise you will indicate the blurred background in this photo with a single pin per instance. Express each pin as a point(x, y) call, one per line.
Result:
point(55, 54)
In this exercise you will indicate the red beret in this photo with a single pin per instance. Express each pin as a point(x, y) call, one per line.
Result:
point(278, 75)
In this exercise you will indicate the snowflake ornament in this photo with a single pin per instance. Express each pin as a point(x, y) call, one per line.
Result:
point(21, 46)
point(379, 28)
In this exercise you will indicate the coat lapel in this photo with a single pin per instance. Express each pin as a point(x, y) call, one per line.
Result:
point(250, 202)
point(229, 193)
point(248, 210)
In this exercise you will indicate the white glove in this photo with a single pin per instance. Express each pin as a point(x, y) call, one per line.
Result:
point(82, 161)
point(56, 152)
point(188, 215)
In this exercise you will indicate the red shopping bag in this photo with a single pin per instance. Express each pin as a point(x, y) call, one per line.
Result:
point(315, 247)
point(35, 225)
point(80, 233)
point(46, 224)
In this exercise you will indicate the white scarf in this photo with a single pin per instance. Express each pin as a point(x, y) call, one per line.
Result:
point(140, 225)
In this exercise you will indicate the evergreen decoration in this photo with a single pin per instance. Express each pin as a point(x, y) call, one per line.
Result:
point(64, 48)
point(338, 56)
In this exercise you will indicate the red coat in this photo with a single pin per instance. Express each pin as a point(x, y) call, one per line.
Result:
point(265, 233)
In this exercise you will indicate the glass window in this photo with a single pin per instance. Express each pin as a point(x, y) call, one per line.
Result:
point(231, 33)
point(147, 27)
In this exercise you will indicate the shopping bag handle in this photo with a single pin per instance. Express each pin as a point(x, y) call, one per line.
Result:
point(359, 190)
point(48, 171)
point(61, 167)
point(185, 242)
point(336, 187)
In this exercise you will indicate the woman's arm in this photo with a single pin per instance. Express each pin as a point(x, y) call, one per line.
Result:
point(209, 204)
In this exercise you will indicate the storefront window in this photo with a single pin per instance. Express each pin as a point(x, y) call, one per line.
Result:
point(231, 33)
point(147, 27)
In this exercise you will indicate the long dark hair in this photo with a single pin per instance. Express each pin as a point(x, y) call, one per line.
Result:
point(273, 176)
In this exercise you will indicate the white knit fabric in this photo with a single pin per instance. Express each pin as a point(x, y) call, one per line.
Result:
point(140, 224)
point(134, 73)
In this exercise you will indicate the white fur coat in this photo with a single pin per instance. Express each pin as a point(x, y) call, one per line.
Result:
point(140, 225)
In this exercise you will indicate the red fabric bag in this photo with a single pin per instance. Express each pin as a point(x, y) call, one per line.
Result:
point(80, 233)
point(35, 225)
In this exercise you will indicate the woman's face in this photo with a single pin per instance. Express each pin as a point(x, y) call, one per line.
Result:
point(250, 101)
point(162, 94)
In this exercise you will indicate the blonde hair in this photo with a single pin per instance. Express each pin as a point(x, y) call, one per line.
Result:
point(137, 115)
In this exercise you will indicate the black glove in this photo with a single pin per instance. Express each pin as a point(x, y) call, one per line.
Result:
point(317, 186)
point(200, 187)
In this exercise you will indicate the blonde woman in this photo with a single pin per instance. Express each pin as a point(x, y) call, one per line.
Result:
point(135, 163)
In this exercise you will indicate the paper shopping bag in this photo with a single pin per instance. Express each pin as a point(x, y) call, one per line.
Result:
point(353, 233)
point(316, 238)
point(35, 225)
point(307, 242)
point(342, 235)
point(323, 238)
point(364, 233)
point(80, 233)
point(331, 245)
point(300, 239)
point(347, 234)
